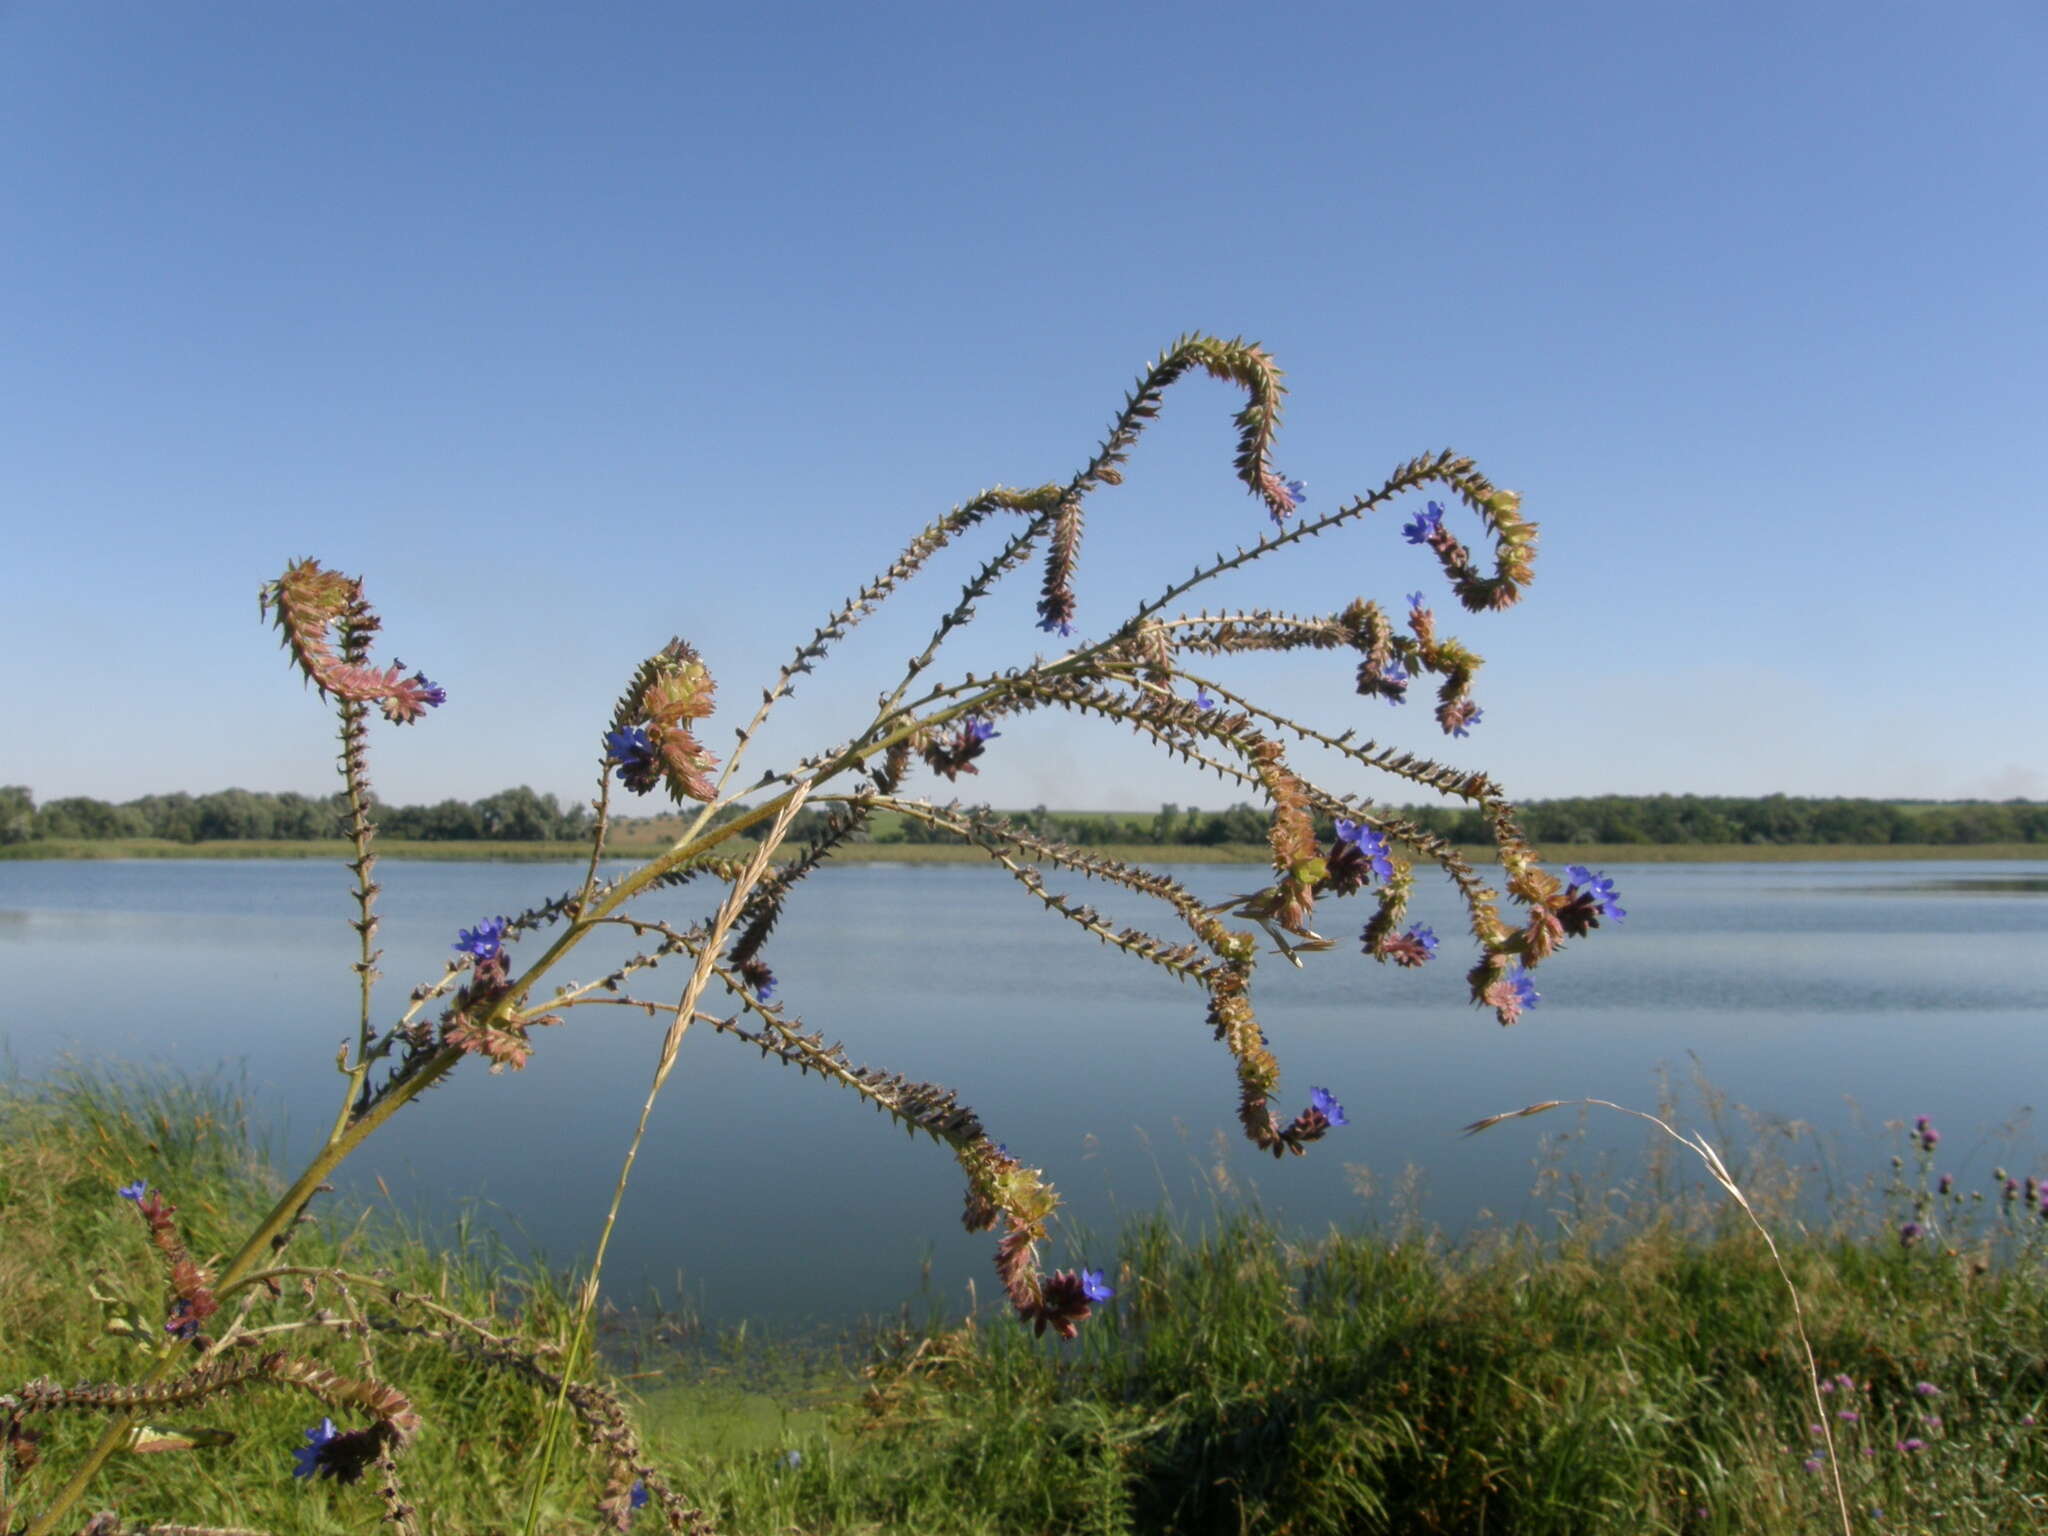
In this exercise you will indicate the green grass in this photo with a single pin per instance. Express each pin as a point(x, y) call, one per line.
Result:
point(1623, 1378)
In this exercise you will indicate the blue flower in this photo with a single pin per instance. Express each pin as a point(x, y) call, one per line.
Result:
point(1524, 987)
point(793, 1457)
point(1424, 524)
point(1462, 728)
point(632, 752)
point(1094, 1287)
point(1202, 699)
point(637, 1498)
point(486, 941)
point(1370, 843)
point(1418, 600)
point(1423, 937)
point(1058, 626)
point(433, 695)
point(1395, 672)
point(308, 1455)
point(1297, 492)
point(981, 730)
point(1323, 1101)
point(133, 1191)
point(1600, 888)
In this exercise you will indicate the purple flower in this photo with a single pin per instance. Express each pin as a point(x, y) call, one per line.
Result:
point(1418, 600)
point(1912, 1443)
point(1425, 524)
point(1597, 886)
point(433, 695)
point(486, 941)
point(1395, 672)
point(1926, 1389)
point(632, 753)
point(1423, 937)
point(1058, 626)
point(1094, 1287)
point(133, 1191)
point(1524, 986)
point(793, 1458)
point(1814, 1462)
point(1325, 1103)
point(980, 730)
point(1947, 1183)
point(1849, 1416)
point(1202, 699)
point(1910, 1233)
point(637, 1497)
point(308, 1455)
point(1370, 843)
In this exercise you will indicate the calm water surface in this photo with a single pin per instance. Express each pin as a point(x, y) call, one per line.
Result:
point(1841, 995)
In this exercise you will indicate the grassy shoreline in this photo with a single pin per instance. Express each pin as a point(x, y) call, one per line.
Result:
point(1637, 1375)
point(947, 853)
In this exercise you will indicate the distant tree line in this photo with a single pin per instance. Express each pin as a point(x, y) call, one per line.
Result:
point(511, 815)
point(521, 815)
point(1594, 819)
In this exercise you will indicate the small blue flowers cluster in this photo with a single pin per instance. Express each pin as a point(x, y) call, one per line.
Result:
point(1523, 985)
point(1371, 843)
point(486, 941)
point(1424, 525)
point(631, 752)
point(1325, 1104)
point(1600, 888)
point(433, 695)
point(133, 1191)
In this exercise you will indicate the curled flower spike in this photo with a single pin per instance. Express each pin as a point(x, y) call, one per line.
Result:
point(308, 1455)
point(133, 1191)
point(1324, 1103)
point(486, 941)
point(632, 755)
point(1424, 524)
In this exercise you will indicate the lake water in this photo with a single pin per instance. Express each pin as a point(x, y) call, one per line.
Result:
point(1841, 995)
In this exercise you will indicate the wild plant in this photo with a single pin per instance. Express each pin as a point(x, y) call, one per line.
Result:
point(236, 1326)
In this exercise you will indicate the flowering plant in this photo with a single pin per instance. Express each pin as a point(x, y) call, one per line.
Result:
point(1148, 673)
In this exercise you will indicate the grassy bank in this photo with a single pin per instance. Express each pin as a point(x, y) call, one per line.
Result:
point(1641, 1375)
point(953, 853)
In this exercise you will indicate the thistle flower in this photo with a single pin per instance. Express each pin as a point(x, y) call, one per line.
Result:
point(1910, 1233)
point(483, 942)
point(1947, 1183)
point(133, 1191)
point(1424, 525)
point(308, 1455)
point(1928, 1136)
point(1324, 1103)
point(631, 752)
point(1093, 1286)
point(1911, 1444)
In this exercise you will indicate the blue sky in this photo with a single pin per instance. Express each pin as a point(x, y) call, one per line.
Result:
point(574, 327)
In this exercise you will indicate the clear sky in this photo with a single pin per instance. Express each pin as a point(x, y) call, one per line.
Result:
point(572, 327)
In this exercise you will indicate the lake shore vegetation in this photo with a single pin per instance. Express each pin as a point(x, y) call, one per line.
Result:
point(1629, 1367)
